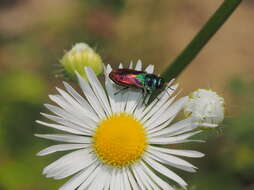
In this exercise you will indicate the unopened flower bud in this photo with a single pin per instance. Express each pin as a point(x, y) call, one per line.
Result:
point(81, 55)
point(205, 106)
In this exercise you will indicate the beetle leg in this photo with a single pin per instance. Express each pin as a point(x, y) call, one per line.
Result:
point(170, 88)
point(144, 93)
point(125, 88)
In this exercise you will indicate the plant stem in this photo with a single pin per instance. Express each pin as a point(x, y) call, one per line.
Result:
point(201, 39)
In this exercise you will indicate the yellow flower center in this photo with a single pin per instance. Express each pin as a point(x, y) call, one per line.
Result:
point(120, 140)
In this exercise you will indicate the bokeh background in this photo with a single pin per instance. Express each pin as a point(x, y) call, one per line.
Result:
point(34, 35)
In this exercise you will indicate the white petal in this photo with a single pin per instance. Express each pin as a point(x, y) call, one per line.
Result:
point(149, 69)
point(85, 130)
point(165, 171)
point(110, 89)
point(91, 97)
point(186, 153)
point(157, 103)
point(161, 98)
point(133, 182)
point(107, 70)
point(98, 89)
point(66, 138)
point(120, 66)
point(62, 128)
point(113, 182)
point(141, 106)
point(78, 179)
point(142, 178)
point(153, 132)
point(153, 121)
point(134, 97)
point(148, 181)
point(138, 65)
point(69, 164)
point(166, 113)
point(72, 110)
point(164, 185)
point(117, 181)
point(65, 115)
point(107, 180)
point(101, 178)
point(60, 147)
point(138, 178)
point(184, 168)
point(121, 180)
point(126, 181)
point(131, 65)
point(74, 103)
point(81, 100)
point(176, 127)
point(168, 159)
point(124, 98)
point(171, 140)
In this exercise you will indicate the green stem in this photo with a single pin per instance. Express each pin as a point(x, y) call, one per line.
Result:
point(201, 39)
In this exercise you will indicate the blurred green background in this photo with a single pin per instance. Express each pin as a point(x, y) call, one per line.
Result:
point(35, 34)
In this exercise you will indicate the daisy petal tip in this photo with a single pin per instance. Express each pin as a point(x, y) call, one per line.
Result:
point(175, 86)
point(38, 121)
point(86, 69)
point(131, 65)
point(172, 80)
point(44, 172)
point(40, 154)
point(66, 84)
point(120, 66)
point(37, 135)
point(58, 89)
point(196, 154)
point(41, 113)
point(51, 97)
point(109, 67)
point(78, 75)
point(210, 125)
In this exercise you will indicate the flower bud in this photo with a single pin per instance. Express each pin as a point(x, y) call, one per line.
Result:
point(205, 106)
point(81, 55)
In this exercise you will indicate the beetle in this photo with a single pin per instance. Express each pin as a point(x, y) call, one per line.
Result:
point(136, 79)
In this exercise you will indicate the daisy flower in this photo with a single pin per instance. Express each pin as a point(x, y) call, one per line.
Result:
point(117, 141)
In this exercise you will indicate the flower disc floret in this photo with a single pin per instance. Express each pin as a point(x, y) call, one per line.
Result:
point(120, 140)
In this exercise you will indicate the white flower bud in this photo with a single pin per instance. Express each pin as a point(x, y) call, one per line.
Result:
point(205, 106)
point(81, 55)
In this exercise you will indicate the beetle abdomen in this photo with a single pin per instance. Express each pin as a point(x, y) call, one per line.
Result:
point(125, 77)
